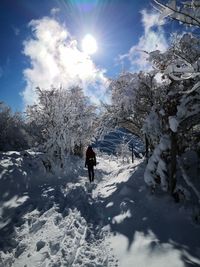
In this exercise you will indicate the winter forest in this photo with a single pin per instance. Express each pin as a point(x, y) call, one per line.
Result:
point(143, 208)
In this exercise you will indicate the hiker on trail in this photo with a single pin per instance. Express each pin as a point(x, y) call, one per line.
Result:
point(90, 162)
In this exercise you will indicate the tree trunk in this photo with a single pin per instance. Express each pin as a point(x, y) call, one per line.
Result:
point(132, 153)
point(172, 174)
point(146, 147)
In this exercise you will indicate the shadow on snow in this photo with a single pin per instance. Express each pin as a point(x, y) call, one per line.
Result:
point(148, 213)
point(157, 214)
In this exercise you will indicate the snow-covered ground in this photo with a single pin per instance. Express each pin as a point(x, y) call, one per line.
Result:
point(51, 220)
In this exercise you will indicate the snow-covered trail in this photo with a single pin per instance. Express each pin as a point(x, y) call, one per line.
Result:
point(114, 222)
point(145, 229)
point(54, 223)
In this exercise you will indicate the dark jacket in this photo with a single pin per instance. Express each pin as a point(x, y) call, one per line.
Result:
point(90, 158)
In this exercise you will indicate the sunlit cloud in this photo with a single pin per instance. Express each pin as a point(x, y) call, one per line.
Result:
point(151, 19)
point(152, 39)
point(55, 60)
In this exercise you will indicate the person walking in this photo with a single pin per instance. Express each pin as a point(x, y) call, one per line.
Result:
point(90, 162)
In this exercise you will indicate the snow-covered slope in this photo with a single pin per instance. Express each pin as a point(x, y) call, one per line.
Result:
point(110, 142)
point(48, 220)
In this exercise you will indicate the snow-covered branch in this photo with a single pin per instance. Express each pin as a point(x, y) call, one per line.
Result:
point(188, 13)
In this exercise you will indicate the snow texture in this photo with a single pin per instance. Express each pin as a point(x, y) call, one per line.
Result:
point(157, 164)
point(65, 221)
point(173, 123)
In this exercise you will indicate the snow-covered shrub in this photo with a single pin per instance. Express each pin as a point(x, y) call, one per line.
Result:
point(13, 133)
point(157, 169)
point(123, 151)
point(152, 127)
point(65, 119)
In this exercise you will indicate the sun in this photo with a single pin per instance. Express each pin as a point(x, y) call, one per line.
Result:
point(89, 44)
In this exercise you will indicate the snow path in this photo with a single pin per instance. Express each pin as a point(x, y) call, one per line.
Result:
point(146, 230)
point(55, 224)
point(113, 222)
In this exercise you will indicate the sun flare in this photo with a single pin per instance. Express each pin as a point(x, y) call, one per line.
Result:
point(89, 44)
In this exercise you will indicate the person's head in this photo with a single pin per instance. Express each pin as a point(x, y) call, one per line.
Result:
point(89, 148)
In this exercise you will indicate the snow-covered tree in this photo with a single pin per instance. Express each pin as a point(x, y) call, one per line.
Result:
point(13, 133)
point(178, 118)
point(65, 118)
point(132, 95)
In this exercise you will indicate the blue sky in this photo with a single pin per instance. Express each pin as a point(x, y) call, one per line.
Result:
point(121, 27)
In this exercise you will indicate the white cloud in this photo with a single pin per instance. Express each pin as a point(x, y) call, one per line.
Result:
point(56, 61)
point(150, 19)
point(152, 39)
point(54, 11)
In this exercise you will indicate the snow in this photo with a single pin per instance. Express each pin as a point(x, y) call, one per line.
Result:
point(146, 250)
point(121, 217)
point(110, 204)
point(51, 240)
point(157, 165)
point(173, 123)
point(15, 202)
point(115, 221)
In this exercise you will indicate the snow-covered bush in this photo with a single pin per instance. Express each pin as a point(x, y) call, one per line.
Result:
point(123, 151)
point(65, 119)
point(157, 165)
point(13, 133)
